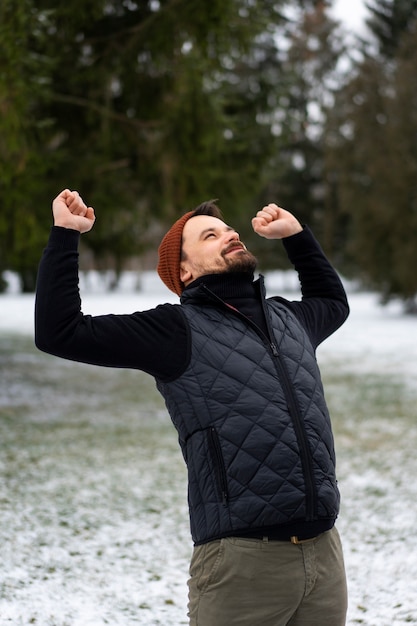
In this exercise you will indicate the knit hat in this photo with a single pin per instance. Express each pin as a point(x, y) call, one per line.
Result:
point(169, 252)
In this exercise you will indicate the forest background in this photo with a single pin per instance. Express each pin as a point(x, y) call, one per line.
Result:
point(150, 107)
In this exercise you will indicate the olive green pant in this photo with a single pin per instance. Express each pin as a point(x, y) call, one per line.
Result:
point(255, 582)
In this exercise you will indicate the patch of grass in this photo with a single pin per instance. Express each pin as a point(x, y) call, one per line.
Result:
point(93, 489)
point(372, 413)
point(92, 483)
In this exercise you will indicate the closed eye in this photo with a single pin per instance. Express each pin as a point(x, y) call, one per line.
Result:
point(213, 232)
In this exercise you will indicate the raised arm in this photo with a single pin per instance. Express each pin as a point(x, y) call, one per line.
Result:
point(324, 305)
point(153, 341)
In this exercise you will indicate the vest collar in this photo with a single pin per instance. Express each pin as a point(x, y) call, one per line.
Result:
point(225, 286)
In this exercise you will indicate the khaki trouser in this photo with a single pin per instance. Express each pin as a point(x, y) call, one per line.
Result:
point(255, 582)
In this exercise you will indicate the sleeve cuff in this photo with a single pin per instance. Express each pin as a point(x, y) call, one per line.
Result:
point(299, 239)
point(64, 238)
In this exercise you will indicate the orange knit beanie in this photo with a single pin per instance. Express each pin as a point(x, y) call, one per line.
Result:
point(169, 253)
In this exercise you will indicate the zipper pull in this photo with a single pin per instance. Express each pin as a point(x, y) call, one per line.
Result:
point(274, 349)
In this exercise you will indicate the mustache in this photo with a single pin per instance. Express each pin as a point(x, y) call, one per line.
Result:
point(233, 246)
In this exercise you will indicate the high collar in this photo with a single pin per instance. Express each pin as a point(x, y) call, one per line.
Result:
point(227, 286)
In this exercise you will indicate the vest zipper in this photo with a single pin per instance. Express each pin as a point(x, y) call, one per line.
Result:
point(305, 454)
point(292, 403)
point(217, 457)
point(294, 411)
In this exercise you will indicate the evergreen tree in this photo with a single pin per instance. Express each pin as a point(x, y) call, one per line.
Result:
point(149, 108)
point(140, 106)
point(389, 21)
point(23, 73)
point(373, 157)
point(309, 74)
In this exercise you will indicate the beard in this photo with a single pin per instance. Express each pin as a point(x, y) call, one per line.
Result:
point(242, 261)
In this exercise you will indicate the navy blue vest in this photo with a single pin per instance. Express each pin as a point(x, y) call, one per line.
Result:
point(253, 425)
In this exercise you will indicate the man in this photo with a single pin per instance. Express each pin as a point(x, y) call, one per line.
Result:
point(241, 384)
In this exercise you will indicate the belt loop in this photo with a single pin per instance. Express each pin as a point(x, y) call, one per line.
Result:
point(265, 539)
point(294, 539)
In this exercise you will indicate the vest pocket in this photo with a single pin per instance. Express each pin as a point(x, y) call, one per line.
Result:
point(218, 464)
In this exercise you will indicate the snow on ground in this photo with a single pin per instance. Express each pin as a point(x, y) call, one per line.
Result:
point(379, 508)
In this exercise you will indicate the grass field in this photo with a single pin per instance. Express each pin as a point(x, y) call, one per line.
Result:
point(94, 522)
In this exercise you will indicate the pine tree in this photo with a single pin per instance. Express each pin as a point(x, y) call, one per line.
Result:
point(140, 106)
point(389, 21)
point(374, 157)
point(148, 108)
point(22, 167)
point(296, 173)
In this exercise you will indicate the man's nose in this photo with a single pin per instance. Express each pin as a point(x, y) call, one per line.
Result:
point(232, 235)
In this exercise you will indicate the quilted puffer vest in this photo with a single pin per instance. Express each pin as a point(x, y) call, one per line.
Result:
point(253, 424)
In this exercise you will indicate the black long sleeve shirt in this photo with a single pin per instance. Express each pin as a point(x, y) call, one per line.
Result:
point(157, 341)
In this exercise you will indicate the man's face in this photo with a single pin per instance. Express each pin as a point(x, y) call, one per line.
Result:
point(209, 246)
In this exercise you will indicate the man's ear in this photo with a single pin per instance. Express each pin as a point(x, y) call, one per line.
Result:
point(185, 275)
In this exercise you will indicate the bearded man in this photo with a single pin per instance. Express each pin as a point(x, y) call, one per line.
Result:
point(241, 383)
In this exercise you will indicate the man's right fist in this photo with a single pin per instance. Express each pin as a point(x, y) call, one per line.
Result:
point(70, 211)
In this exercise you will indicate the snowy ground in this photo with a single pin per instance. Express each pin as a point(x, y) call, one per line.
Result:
point(94, 528)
